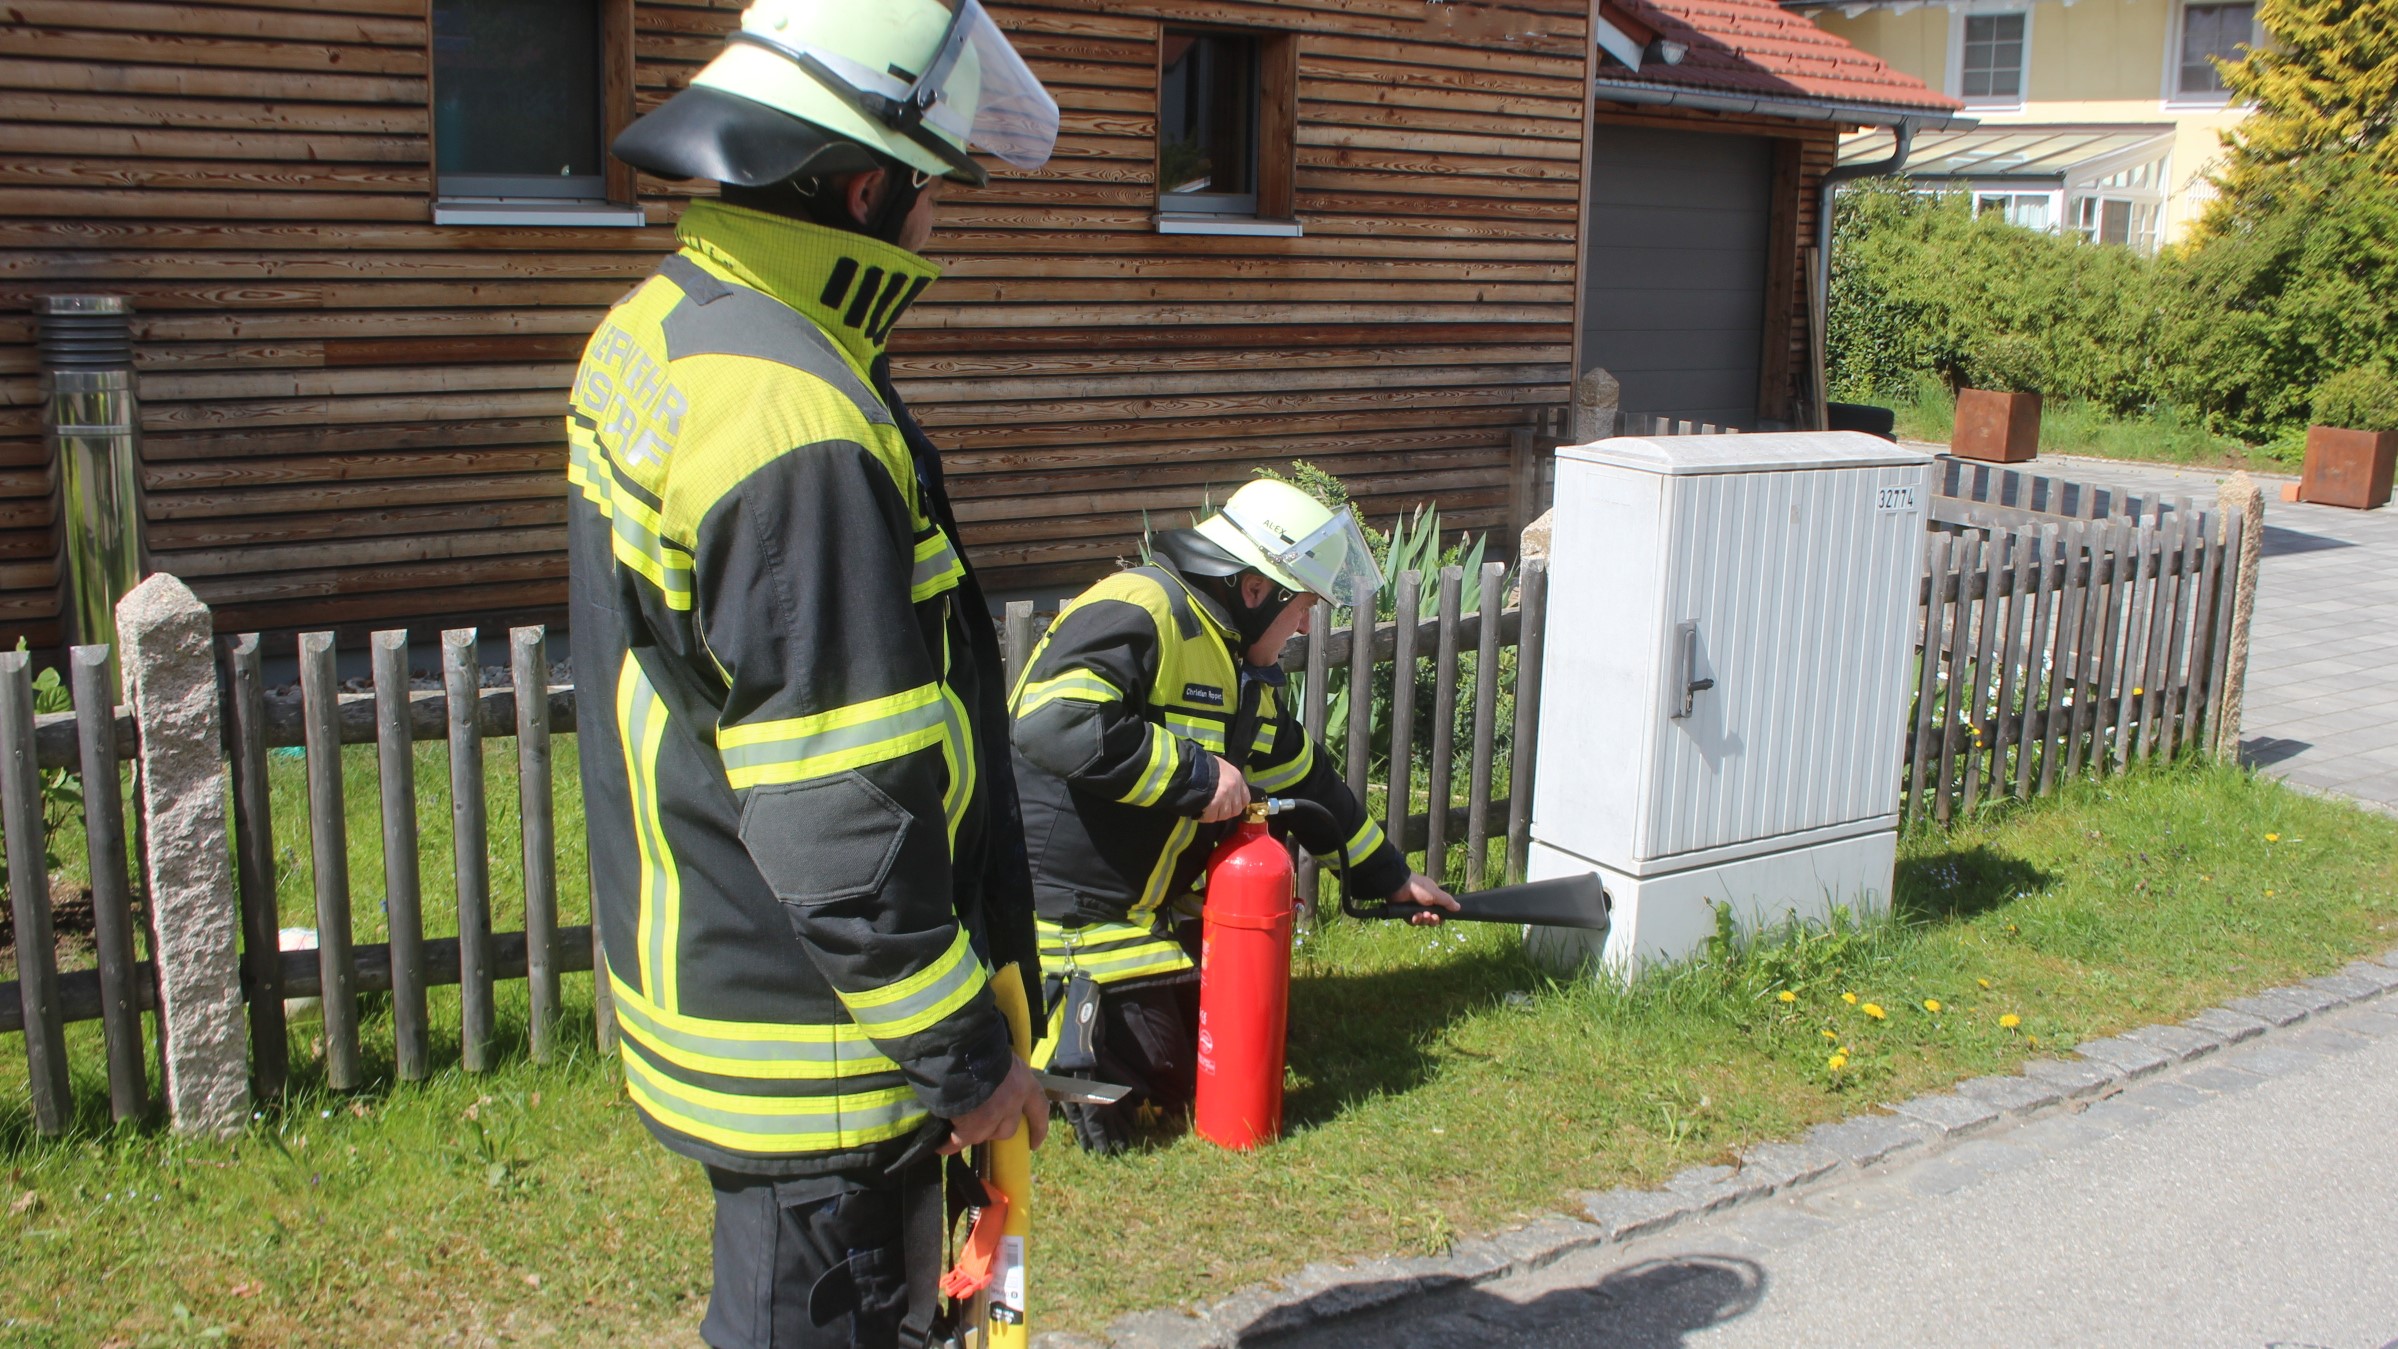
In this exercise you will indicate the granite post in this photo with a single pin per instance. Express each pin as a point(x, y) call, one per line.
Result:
point(171, 681)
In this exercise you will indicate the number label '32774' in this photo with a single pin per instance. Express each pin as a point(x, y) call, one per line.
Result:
point(1890, 500)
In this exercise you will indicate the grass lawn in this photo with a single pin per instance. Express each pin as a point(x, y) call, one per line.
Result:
point(2166, 435)
point(1439, 1088)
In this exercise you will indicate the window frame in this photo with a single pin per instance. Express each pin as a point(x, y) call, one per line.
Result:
point(1268, 210)
point(1957, 18)
point(528, 201)
point(2174, 96)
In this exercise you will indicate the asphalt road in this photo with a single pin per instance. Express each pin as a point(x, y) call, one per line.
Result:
point(2247, 1199)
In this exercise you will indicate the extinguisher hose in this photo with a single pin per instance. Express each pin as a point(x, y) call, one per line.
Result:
point(1322, 818)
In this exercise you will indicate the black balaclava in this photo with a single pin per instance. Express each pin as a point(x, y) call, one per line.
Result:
point(816, 199)
point(1217, 574)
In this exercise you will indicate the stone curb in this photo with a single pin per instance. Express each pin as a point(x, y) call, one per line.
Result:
point(1325, 1292)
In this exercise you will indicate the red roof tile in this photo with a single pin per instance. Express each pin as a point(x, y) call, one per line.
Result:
point(1757, 47)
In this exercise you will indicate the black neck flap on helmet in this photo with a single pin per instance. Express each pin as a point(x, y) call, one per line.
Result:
point(1217, 574)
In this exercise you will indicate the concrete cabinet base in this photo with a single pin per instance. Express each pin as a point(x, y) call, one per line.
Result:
point(1660, 919)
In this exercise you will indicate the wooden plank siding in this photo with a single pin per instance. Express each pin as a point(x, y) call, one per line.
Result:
point(352, 417)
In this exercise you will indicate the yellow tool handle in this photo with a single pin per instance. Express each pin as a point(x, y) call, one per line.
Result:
point(1001, 1307)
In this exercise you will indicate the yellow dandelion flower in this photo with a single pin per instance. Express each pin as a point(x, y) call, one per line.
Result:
point(1849, 998)
point(1983, 982)
point(1874, 1010)
point(1931, 1004)
point(2034, 1039)
point(2268, 894)
point(2010, 1021)
point(2273, 838)
point(1787, 996)
point(1836, 1062)
point(1831, 1035)
point(2137, 692)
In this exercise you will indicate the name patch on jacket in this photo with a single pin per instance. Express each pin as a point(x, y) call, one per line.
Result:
point(1203, 693)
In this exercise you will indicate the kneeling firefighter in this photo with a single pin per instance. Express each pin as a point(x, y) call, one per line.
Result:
point(1148, 714)
point(807, 862)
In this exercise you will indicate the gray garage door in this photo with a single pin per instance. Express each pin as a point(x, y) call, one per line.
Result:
point(1675, 270)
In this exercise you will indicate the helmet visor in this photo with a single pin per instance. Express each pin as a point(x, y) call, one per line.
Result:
point(1012, 116)
point(1333, 561)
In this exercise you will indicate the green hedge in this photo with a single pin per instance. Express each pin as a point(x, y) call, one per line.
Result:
point(2244, 328)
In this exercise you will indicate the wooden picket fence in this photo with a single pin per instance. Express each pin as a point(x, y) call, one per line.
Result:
point(2062, 628)
point(119, 989)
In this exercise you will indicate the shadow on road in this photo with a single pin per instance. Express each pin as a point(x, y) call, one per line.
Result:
point(1656, 1304)
point(2266, 750)
point(2281, 541)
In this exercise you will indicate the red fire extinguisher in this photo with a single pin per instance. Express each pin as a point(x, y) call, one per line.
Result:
point(1244, 986)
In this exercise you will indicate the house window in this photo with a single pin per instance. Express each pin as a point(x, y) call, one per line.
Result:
point(2032, 210)
point(1226, 118)
point(2210, 32)
point(1993, 58)
point(519, 115)
point(2113, 220)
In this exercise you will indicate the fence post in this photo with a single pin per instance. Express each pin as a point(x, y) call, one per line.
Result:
point(1532, 588)
point(403, 884)
point(2244, 507)
point(95, 670)
point(29, 898)
point(329, 852)
point(461, 678)
point(171, 680)
point(254, 851)
point(529, 663)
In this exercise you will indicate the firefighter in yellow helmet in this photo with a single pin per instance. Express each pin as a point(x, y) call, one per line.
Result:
point(1144, 721)
point(806, 854)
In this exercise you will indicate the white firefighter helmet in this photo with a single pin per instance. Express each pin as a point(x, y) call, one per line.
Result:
point(809, 87)
point(1295, 540)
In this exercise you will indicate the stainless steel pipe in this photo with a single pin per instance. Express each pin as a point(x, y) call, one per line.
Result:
point(92, 419)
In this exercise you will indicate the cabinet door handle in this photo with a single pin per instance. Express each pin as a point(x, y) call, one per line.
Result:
point(1686, 643)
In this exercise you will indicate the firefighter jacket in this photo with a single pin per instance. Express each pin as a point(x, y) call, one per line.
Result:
point(1119, 717)
point(805, 851)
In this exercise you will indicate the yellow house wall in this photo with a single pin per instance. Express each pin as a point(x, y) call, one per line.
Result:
point(2096, 61)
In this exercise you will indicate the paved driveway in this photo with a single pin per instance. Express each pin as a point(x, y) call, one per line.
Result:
point(2242, 1201)
point(2322, 707)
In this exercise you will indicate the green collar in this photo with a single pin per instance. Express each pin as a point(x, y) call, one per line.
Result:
point(852, 287)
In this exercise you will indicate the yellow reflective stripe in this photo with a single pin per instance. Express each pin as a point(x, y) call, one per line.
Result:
point(957, 753)
point(1279, 776)
point(641, 728)
point(797, 748)
point(1361, 845)
point(922, 999)
point(748, 1049)
point(1079, 685)
point(1046, 1051)
point(1153, 891)
point(634, 528)
point(937, 567)
point(1164, 756)
point(1108, 952)
point(1209, 733)
point(581, 448)
point(770, 1124)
